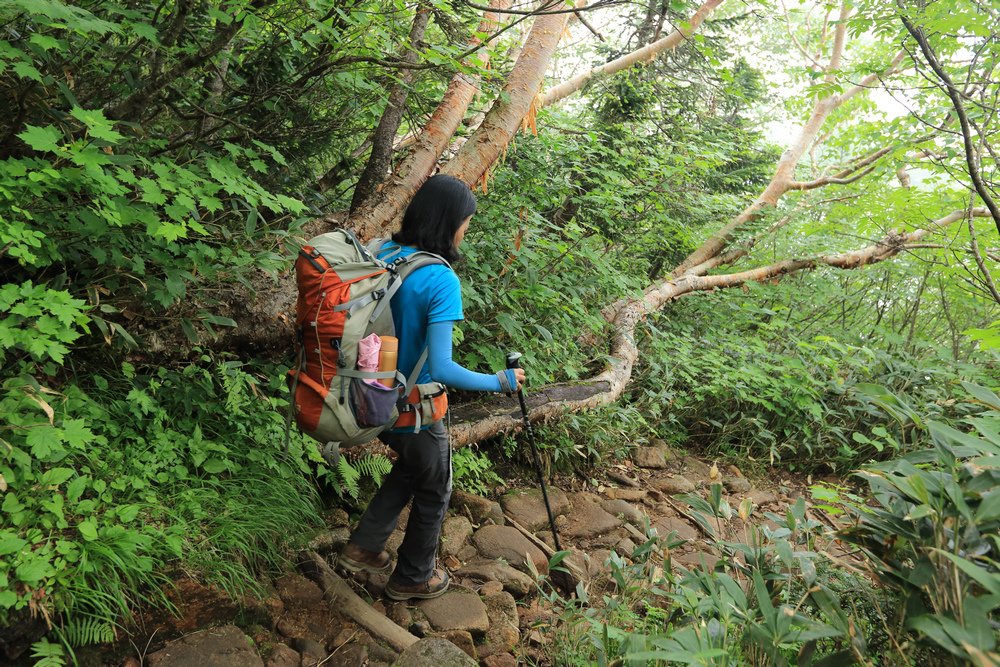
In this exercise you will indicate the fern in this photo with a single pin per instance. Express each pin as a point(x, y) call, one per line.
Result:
point(48, 654)
point(83, 632)
point(349, 476)
point(375, 466)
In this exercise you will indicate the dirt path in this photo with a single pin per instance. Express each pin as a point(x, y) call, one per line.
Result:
point(493, 549)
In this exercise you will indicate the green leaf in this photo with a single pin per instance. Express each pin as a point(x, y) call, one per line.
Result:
point(10, 543)
point(983, 394)
point(985, 578)
point(215, 466)
point(76, 488)
point(34, 570)
point(88, 529)
point(220, 320)
point(41, 138)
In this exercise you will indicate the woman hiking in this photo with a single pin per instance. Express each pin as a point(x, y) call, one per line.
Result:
point(425, 311)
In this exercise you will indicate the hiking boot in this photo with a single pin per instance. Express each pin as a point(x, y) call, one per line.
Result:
point(432, 588)
point(354, 559)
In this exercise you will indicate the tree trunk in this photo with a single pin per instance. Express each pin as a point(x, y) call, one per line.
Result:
point(478, 154)
point(384, 135)
point(375, 218)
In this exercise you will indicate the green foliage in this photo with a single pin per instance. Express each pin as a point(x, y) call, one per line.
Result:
point(108, 488)
point(583, 440)
point(769, 601)
point(48, 654)
point(371, 467)
point(473, 471)
point(774, 374)
point(40, 321)
point(932, 533)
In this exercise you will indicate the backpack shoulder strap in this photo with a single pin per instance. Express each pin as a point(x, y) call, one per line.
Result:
point(403, 267)
point(375, 246)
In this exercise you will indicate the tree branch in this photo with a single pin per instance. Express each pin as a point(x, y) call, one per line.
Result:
point(963, 118)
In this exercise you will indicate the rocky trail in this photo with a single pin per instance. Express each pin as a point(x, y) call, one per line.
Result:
point(492, 615)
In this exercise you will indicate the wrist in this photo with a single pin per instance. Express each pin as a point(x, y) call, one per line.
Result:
point(508, 381)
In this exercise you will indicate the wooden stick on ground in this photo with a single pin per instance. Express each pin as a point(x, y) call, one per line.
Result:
point(341, 598)
point(574, 571)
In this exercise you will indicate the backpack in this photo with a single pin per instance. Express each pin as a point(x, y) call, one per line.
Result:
point(344, 295)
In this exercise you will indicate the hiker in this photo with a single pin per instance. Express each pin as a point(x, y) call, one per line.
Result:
point(425, 310)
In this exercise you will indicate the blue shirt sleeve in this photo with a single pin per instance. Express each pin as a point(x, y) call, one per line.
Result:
point(445, 301)
point(444, 370)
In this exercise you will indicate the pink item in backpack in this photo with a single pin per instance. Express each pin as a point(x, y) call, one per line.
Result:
point(368, 349)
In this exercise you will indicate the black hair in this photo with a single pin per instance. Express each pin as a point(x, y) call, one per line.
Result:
point(435, 214)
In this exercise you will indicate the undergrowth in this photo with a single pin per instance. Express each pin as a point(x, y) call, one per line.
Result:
point(112, 488)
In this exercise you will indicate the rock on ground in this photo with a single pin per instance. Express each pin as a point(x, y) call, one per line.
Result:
point(454, 533)
point(674, 484)
point(508, 543)
point(695, 468)
point(296, 590)
point(463, 640)
point(482, 510)
point(434, 652)
point(458, 609)
point(527, 507)
point(697, 560)
point(631, 495)
point(736, 484)
point(649, 457)
point(516, 583)
point(283, 656)
point(500, 660)
point(588, 519)
point(224, 646)
point(503, 634)
point(631, 513)
point(684, 529)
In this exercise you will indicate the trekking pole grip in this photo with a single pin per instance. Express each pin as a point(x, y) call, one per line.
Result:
point(513, 360)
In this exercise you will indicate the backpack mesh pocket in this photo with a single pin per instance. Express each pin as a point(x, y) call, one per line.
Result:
point(373, 404)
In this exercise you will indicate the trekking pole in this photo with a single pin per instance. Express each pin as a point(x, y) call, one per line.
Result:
point(514, 361)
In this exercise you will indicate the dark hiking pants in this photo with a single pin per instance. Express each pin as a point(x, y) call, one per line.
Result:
point(422, 472)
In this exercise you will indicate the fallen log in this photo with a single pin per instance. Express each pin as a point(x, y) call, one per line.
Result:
point(341, 598)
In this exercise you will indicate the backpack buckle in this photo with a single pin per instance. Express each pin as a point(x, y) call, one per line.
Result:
point(378, 294)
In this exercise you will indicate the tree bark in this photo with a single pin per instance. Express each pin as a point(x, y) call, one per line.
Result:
point(384, 135)
point(375, 218)
point(483, 148)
